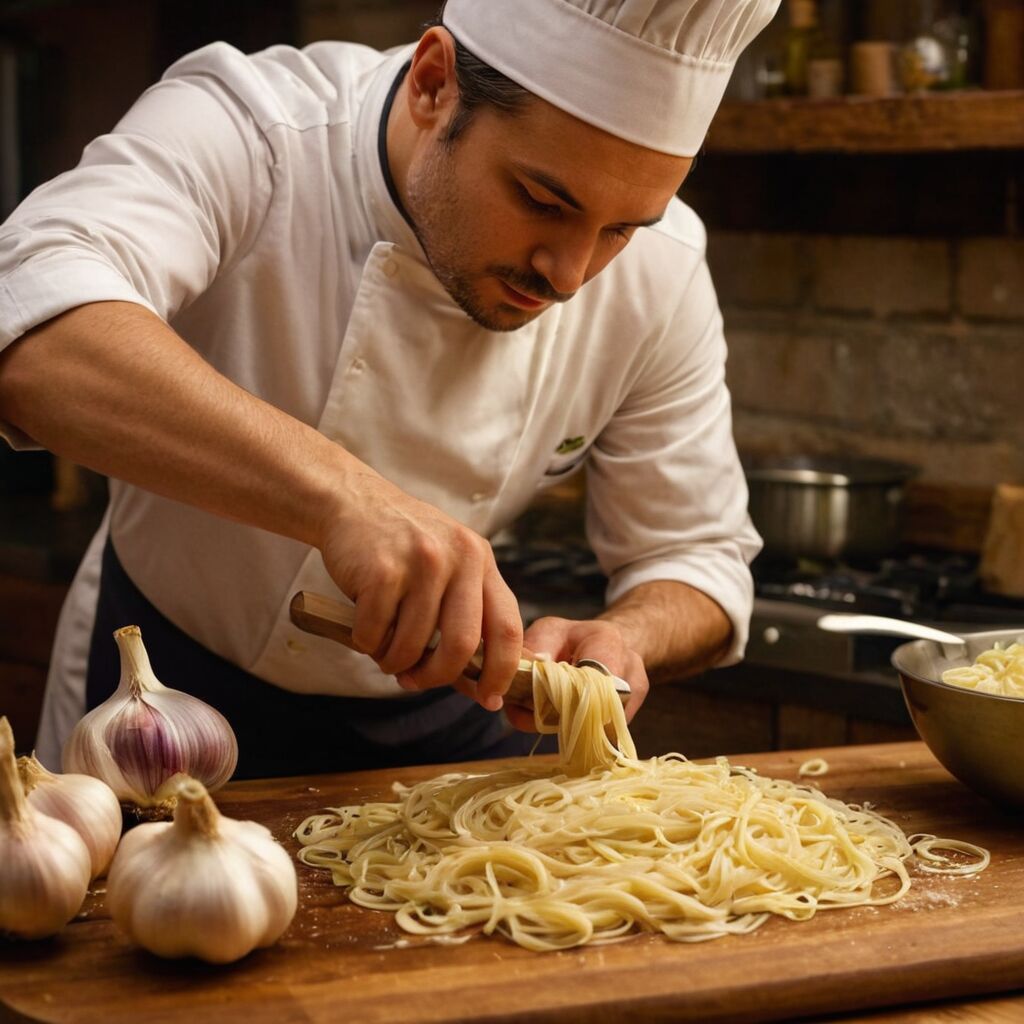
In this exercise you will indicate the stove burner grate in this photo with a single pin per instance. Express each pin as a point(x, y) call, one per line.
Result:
point(921, 585)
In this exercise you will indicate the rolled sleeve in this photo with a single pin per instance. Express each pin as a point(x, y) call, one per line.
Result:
point(43, 287)
point(50, 283)
point(667, 498)
point(152, 214)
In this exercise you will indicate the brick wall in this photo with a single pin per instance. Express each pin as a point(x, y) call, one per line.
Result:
point(908, 348)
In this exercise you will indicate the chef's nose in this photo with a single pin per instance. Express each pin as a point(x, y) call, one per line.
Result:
point(564, 262)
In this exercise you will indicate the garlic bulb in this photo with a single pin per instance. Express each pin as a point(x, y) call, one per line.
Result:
point(202, 885)
point(85, 803)
point(44, 864)
point(145, 734)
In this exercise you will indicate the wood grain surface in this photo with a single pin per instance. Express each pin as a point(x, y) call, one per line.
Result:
point(918, 122)
point(949, 937)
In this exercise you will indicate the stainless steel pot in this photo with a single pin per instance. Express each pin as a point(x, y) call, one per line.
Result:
point(827, 507)
point(978, 737)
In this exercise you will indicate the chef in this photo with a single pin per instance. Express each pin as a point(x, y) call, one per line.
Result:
point(329, 318)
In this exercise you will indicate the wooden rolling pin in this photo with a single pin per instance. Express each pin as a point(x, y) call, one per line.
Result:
point(323, 616)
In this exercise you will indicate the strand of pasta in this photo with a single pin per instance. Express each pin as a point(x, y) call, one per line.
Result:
point(814, 767)
point(606, 844)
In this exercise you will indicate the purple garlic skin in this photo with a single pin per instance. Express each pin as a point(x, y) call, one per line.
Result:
point(145, 735)
point(143, 744)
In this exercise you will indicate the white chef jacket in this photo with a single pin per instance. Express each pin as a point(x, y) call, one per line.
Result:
point(242, 199)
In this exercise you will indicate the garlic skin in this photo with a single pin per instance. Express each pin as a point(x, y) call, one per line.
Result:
point(145, 734)
point(85, 803)
point(202, 885)
point(44, 864)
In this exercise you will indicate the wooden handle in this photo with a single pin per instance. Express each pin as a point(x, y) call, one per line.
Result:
point(323, 616)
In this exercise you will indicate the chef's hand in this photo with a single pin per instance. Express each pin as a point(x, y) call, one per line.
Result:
point(570, 640)
point(411, 569)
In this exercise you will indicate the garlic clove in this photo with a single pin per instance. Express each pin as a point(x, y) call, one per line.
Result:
point(145, 733)
point(85, 803)
point(44, 863)
point(45, 879)
point(202, 885)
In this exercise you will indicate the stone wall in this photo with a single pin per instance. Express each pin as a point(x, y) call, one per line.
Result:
point(900, 347)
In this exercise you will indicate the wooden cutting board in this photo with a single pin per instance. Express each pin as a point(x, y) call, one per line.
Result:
point(949, 937)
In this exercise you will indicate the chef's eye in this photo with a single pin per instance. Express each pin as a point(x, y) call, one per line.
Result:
point(547, 209)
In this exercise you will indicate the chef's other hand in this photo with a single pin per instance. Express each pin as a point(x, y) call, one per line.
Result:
point(571, 640)
point(411, 569)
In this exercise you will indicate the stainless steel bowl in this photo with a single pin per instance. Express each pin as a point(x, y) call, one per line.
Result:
point(827, 507)
point(978, 737)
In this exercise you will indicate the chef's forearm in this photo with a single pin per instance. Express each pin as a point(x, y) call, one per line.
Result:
point(110, 386)
point(677, 630)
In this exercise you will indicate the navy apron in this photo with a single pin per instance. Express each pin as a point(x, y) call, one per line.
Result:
point(284, 733)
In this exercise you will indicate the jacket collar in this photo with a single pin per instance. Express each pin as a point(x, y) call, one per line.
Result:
point(384, 217)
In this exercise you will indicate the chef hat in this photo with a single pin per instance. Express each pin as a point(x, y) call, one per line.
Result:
point(649, 71)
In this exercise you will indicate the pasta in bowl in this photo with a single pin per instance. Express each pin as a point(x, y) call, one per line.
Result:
point(999, 670)
point(967, 704)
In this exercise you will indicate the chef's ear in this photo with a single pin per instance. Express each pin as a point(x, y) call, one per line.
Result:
point(433, 91)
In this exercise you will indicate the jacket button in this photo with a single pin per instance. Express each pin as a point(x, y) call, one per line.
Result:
point(390, 268)
point(357, 365)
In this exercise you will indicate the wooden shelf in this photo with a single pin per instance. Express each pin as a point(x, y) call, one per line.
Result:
point(862, 124)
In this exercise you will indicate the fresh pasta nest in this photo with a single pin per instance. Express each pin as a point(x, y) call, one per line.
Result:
point(605, 845)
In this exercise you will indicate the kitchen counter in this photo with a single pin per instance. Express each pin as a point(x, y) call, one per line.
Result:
point(950, 938)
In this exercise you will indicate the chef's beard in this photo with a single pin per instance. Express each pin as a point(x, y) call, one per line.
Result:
point(440, 219)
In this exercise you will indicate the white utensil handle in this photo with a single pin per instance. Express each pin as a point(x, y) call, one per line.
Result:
point(844, 623)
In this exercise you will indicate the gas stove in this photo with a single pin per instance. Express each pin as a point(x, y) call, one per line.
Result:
point(919, 585)
point(552, 578)
point(937, 588)
point(934, 588)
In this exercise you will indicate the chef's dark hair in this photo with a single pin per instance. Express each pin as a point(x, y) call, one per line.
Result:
point(480, 85)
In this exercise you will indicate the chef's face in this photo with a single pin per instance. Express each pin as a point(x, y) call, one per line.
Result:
point(519, 211)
